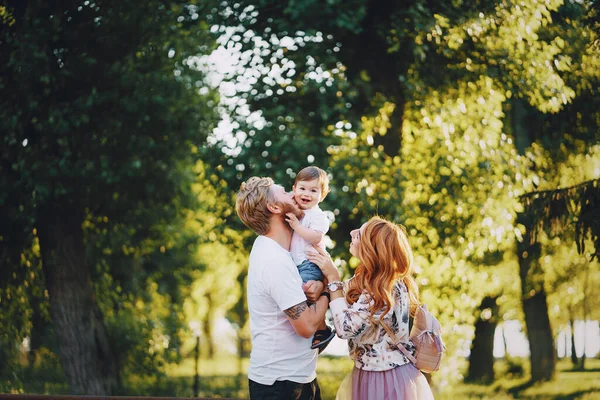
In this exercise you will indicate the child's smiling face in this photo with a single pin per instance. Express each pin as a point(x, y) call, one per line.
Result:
point(307, 193)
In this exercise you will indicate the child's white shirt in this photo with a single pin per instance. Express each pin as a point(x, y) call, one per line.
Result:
point(315, 219)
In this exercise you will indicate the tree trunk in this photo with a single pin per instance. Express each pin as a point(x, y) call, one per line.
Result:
point(581, 364)
point(566, 344)
point(521, 117)
point(207, 327)
point(574, 359)
point(504, 343)
point(481, 360)
point(586, 314)
point(535, 307)
point(240, 316)
point(539, 334)
point(240, 363)
point(84, 349)
point(582, 359)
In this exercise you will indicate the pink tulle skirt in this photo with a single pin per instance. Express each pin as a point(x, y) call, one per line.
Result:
point(404, 382)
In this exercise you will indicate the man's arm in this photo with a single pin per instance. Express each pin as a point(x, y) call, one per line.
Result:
point(305, 319)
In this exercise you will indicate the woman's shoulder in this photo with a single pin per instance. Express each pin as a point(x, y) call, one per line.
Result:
point(400, 287)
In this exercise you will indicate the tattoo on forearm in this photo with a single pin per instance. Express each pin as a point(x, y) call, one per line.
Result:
point(295, 311)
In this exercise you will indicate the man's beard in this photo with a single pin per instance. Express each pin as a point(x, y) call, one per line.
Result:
point(290, 208)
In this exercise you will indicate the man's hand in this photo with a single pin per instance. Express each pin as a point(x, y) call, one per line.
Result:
point(313, 289)
point(292, 220)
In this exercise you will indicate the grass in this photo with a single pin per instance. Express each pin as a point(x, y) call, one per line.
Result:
point(330, 372)
point(568, 384)
point(225, 377)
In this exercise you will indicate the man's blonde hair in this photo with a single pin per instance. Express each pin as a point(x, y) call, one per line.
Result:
point(251, 203)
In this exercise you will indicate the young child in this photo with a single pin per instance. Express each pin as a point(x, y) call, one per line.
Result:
point(310, 188)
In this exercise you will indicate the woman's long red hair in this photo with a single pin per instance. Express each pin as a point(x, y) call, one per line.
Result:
point(385, 257)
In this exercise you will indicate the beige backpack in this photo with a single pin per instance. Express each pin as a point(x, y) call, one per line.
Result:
point(426, 335)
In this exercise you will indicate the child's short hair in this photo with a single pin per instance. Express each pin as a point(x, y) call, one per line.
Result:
point(312, 173)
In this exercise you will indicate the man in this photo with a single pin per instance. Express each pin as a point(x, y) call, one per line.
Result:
point(282, 363)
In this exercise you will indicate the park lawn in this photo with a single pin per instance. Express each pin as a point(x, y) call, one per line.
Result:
point(581, 385)
point(221, 377)
point(222, 364)
point(568, 384)
point(330, 372)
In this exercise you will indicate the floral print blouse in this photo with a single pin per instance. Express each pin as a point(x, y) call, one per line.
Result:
point(369, 345)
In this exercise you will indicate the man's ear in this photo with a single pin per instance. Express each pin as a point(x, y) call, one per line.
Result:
point(273, 208)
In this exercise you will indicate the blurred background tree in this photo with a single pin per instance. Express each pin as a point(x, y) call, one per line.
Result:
point(435, 116)
point(100, 115)
point(126, 136)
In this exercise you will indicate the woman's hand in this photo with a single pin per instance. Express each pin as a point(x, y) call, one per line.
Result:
point(324, 261)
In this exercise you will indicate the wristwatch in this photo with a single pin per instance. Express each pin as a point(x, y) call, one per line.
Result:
point(335, 286)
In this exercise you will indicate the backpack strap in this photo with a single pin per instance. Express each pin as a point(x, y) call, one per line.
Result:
point(428, 318)
point(398, 344)
point(433, 328)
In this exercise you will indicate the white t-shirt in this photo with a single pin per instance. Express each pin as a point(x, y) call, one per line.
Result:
point(278, 352)
point(314, 218)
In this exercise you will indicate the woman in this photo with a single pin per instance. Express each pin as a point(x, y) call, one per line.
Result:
point(381, 291)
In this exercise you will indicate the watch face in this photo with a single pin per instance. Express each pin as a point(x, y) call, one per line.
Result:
point(334, 287)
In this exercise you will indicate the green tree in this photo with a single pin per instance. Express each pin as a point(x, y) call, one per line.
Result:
point(214, 290)
point(422, 102)
point(100, 110)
